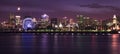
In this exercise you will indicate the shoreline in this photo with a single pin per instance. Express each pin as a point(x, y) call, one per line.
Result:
point(111, 32)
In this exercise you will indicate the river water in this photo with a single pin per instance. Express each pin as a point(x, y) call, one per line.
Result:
point(44, 43)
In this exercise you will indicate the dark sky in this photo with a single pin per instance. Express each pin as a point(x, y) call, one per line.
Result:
point(99, 9)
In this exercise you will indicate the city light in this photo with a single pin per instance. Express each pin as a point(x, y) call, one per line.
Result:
point(45, 16)
point(18, 16)
point(56, 26)
point(18, 8)
point(60, 25)
point(28, 23)
point(45, 23)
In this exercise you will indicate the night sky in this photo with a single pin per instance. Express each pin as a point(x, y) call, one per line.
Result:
point(100, 9)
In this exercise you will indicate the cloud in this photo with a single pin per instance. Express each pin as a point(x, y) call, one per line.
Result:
point(83, 9)
point(98, 6)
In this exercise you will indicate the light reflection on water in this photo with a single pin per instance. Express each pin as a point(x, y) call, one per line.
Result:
point(44, 43)
point(115, 44)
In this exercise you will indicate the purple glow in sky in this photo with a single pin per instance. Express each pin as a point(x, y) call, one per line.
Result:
point(59, 8)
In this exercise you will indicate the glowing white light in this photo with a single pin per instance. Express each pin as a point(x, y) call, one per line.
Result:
point(29, 25)
point(60, 25)
point(18, 8)
point(17, 16)
point(119, 32)
point(114, 16)
point(113, 28)
point(56, 26)
point(45, 16)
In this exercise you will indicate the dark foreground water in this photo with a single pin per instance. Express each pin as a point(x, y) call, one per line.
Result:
point(30, 43)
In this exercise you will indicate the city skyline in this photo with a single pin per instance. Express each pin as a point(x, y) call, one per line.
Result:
point(95, 9)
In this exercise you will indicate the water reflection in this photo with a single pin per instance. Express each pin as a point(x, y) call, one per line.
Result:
point(45, 43)
point(56, 43)
point(17, 44)
point(27, 43)
point(94, 44)
point(115, 44)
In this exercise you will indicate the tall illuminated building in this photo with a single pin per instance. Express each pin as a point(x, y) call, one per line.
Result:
point(11, 16)
point(44, 21)
point(18, 21)
point(34, 20)
point(45, 17)
point(114, 19)
point(12, 19)
point(65, 21)
point(80, 21)
point(115, 22)
point(18, 15)
point(54, 22)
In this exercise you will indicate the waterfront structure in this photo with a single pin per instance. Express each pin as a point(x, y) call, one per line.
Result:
point(18, 20)
point(72, 26)
point(62, 24)
point(34, 21)
point(65, 21)
point(80, 21)
point(115, 23)
point(45, 17)
point(54, 22)
point(12, 19)
point(111, 23)
point(44, 21)
point(28, 23)
point(11, 22)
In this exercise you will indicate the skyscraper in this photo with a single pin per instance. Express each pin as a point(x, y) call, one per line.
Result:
point(12, 19)
point(80, 20)
point(65, 21)
point(115, 23)
point(54, 21)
